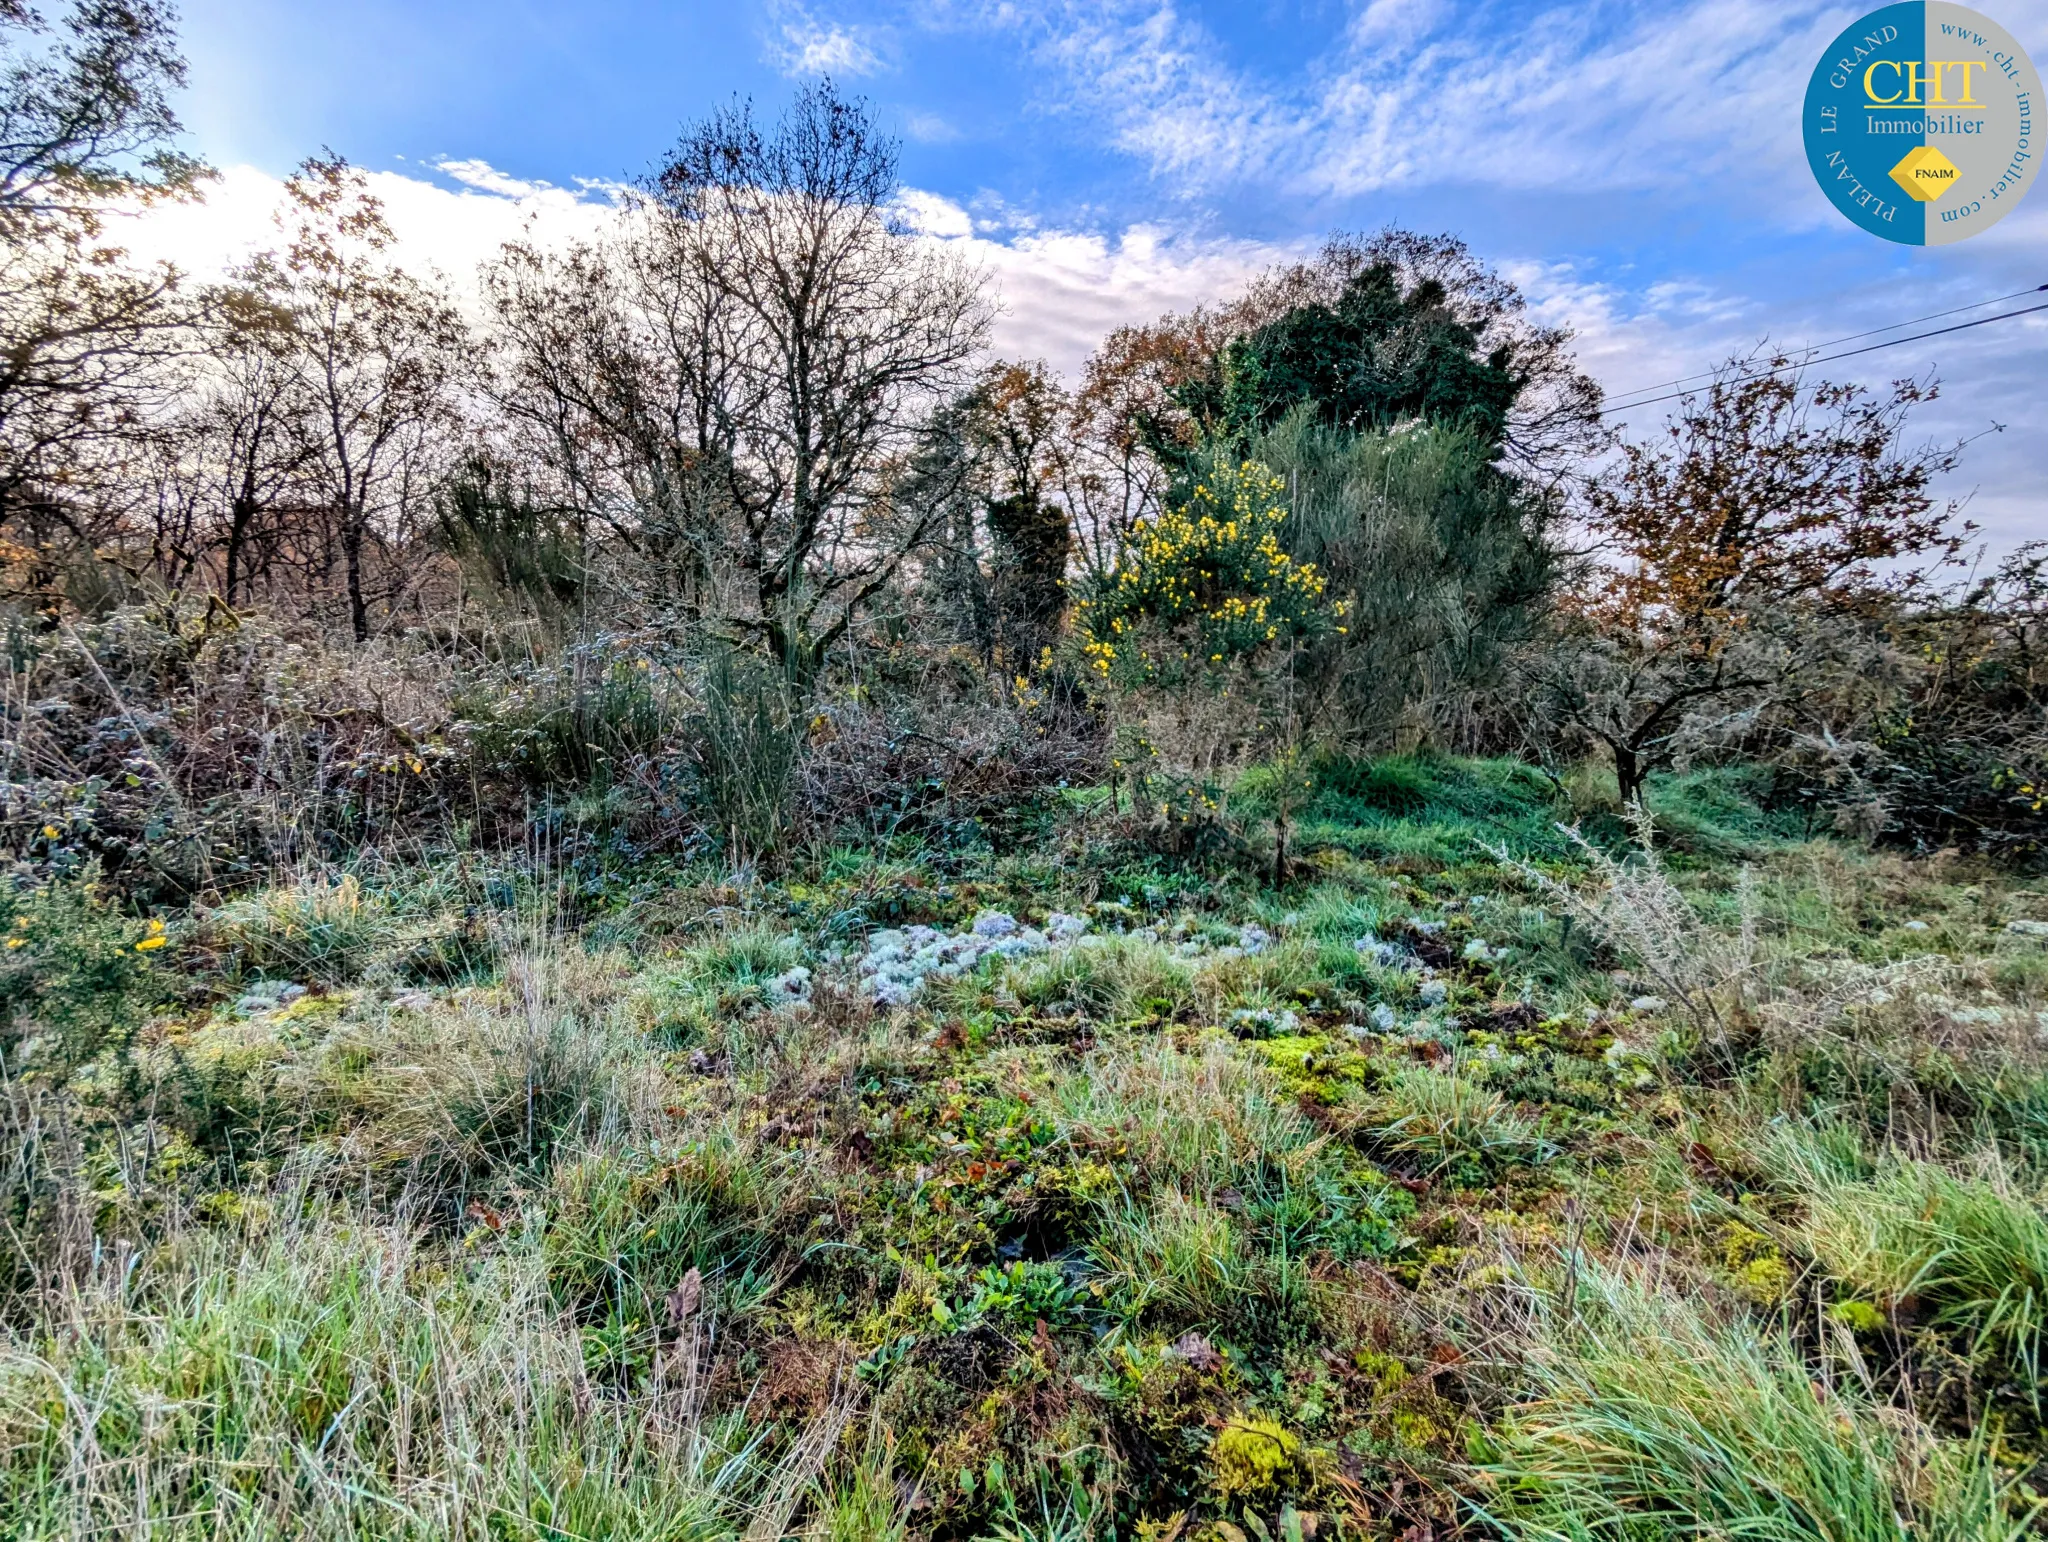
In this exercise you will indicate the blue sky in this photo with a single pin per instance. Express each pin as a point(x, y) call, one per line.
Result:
point(1636, 167)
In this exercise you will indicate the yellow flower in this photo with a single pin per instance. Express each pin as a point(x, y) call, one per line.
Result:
point(51, 832)
point(17, 942)
point(151, 944)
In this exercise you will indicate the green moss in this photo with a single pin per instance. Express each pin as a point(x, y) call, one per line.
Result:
point(1072, 1203)
point(1859, 1316)
point(1252, 1456)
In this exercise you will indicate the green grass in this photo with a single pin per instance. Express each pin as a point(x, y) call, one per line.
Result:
point(1636, 1412)
point(540, 1214)
point(330, 1379)
point(1967, 1245)
point(1445, 1120)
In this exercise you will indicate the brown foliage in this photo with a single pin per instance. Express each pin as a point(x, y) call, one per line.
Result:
point(1766, 491)
point(1744, 547)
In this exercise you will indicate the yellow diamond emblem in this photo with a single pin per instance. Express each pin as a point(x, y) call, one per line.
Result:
point(1925, 173)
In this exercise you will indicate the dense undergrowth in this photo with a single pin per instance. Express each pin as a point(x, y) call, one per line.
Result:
point(1483, 1179)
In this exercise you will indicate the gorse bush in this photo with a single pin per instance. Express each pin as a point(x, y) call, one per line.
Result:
point(77, 978)
point(1206, 583)
point(1443, 567)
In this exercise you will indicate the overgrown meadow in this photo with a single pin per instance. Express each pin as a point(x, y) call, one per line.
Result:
point(1487, 1177)
point(667, 904)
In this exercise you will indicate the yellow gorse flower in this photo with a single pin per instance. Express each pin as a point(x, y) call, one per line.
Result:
point(1213, 563)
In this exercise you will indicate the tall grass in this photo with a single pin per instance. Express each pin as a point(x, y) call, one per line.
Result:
point(1114, 978)
point(1226, 1188)
point(1197, 1122)
point(1447, 1117)
point(752, 729)
point(1173, 1254)
point(1636, 1413)
point(342, 1379)
point(1969, 1245)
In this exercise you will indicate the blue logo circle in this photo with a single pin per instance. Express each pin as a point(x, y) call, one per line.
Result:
point(1923, 123)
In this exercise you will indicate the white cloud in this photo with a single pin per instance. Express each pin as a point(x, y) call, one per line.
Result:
point(450, 230)
point(1602, 95)
point(1162, 83)
point(929, 214)
point(928, 128)
point(486, 178)
point(1063, 290)
point(809, 47)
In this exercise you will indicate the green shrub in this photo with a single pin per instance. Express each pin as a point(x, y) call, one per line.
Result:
point(76, 977)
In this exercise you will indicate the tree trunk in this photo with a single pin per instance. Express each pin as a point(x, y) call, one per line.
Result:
point(352, 555)
point(1628, 773)
point(239, 520)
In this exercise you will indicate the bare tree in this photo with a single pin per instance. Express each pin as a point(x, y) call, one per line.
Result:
point(831, 332)
point(82, 337)
point(243, 417)
point(607, 383)
point(222, 461)
point(734, 385)
point(371, 352)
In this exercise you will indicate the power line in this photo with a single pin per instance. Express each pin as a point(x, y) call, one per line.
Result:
point(1836, 342)
point(1961, 326)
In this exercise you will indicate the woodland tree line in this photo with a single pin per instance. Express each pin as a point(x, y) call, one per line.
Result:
point(724, 531)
